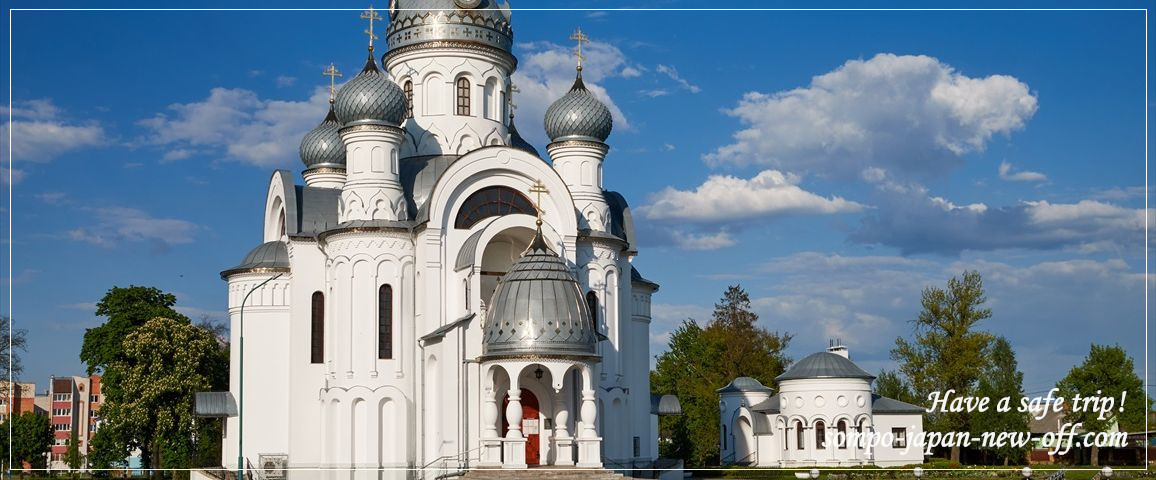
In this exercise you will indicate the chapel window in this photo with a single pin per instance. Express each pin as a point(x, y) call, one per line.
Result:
point(408, 98)
point(800, 435)
point(842, 428)
point(820, 435)
point(592, 304)
point(385, 322)
point(317, 329)
point(492, 202)
point(899, 437)
point(463, 96)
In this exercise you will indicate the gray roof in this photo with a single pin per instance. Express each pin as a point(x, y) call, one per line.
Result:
point(371, 97)
point(578, 115)
point(441, 331)
point(884, 405)
point(420, 21)
point(469, 248)
point(636, 277)
point(824, 365)
point(621, 221)
point(269, 256)
point(520, 143)
point(770, 405)
point(214, 404)
point(538, 310)
point(418, 177)
point(316, 210)
point(322, 146)
point(665, 405)
point(744, 384)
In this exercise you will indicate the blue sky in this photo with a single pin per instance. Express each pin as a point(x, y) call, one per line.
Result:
point(832, 162)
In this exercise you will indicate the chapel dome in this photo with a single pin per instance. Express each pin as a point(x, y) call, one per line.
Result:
point(744, 384)
point(322, 146)
point(485, 22)
point(268, 257)
point(824, 365)
point(578, 115)
point(538, 310)
point(371, 97)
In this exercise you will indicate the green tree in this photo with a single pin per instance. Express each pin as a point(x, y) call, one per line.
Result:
point(1107, 371)
point(31, 439)
point(891, 384)
point(947, 352)
point(702, 360)
point(164, 363)
point(73, 456)
point(9, 345)
point(1002, 378)
point(126, 310)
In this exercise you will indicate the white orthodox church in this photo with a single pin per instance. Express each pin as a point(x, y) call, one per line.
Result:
point(412, 306)
point(824, 401)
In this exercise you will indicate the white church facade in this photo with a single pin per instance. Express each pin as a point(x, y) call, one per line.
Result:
point(824, 400)
point(437, 294)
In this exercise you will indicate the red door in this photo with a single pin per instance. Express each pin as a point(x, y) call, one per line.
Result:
point(531, 425)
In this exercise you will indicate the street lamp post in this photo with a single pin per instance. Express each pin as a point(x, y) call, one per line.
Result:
point(241, 380)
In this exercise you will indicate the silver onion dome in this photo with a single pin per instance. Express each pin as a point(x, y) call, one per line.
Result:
point(538, 310)
point(371, 97)
point(322, 146)
point(578, 116)
point(485, 22)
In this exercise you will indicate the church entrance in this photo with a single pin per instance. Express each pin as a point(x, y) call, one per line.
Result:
point(531, 427)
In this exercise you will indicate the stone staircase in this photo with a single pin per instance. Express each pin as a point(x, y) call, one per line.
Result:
point(544, 473)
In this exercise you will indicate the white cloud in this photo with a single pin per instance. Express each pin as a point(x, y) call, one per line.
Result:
point(1005, 173)
point(116, 225)
point(631, 71)
point(914, 221)
point(701, 241)
point(671, 72)
point(911, 114)
point(546, 72)
point(725, 198)
point(285, 81)
point(655, 93)
point(52, 198)
point(176, 154)
point(11, 176)
point(39, 133)
point(245, 127)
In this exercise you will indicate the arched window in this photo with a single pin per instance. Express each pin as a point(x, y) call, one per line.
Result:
point(492, 202)
point(463, 96)
point(385, 322)
point(842, 440)
point(820, 436)
point(408, 98)
point(592, 304)
point(317, 329)
point(724, 437)
point(800, 435)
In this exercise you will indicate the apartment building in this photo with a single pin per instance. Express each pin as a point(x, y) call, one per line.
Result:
point(16, 397)
point(74, 407)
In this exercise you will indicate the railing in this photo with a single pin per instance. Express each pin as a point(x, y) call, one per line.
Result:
point(456, 470)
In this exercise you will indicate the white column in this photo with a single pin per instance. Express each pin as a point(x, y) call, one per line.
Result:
point(514, 445)
point(589, 444)
point(491, 444)
point(563, 444)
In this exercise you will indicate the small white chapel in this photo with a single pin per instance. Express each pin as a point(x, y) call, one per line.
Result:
point(823, 399)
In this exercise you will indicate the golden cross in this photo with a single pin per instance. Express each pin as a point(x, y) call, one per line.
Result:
point(332, 73)
point(539, 188)
point(370, 15)
point(579, 37)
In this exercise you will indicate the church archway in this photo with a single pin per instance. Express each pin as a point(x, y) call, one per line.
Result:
point(531, 425)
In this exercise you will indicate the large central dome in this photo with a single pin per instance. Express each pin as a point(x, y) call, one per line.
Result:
point(484, 22)
point(538, 311)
